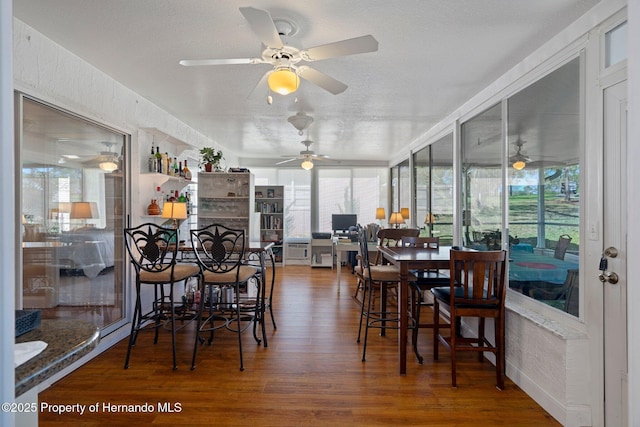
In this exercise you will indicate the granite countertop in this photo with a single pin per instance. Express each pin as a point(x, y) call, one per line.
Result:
point(67, 341)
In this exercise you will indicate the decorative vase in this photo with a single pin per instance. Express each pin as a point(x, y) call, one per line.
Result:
point(153, 208)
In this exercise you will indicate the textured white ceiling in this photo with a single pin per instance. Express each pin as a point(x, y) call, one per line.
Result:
point(433, 55)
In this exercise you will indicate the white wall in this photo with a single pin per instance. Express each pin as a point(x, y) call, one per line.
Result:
point(7, 213)
point(633, 206)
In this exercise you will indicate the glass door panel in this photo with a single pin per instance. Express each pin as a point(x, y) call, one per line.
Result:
point(72, 192)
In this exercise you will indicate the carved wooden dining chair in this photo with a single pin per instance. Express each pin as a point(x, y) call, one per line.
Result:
point(477, 288)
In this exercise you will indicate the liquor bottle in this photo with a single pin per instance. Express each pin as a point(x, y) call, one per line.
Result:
point(180, 170)
point(165, 163)
point(187, 172)
point(152, 162)
point(158, 160)
point(175, 167)
point(182, 199)
point(159, 198)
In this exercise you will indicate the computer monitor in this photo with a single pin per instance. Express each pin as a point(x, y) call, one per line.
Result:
point(342, 222)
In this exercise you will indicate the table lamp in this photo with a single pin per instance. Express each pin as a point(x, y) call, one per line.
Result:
point(380, 214)
point(430, 220)
point(174, 211)
point(84, 211)
point(396, 219)
point(405, 213)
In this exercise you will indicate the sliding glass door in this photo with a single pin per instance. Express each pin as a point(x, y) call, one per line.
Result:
point(72, 214)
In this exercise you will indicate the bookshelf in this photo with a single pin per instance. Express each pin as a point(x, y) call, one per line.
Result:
point(269, 203)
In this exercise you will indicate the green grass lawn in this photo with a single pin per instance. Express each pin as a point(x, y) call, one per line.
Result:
point(560, 216)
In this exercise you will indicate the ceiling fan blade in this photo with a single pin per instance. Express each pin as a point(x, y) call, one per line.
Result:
point(353, 46)
point(320, 79)
point(261, 23)
point(198, 62)
point(287, 161)
point(261, 82)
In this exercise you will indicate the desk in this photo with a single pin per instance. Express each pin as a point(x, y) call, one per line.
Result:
point(533, 267)
point(409, 259)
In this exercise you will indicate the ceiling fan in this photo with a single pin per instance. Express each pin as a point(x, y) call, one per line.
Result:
point(307, 156)
point(106, 160)
point(284, 77)
point(519, 160)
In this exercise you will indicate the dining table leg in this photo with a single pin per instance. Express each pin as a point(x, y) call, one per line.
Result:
point(403, 302)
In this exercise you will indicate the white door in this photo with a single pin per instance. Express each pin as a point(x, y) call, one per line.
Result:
point(615, 236)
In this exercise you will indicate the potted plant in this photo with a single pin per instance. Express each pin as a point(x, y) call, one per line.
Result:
point(210, 158)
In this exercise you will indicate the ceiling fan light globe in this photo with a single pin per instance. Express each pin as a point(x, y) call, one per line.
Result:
point(283, 81)
point(307, 164)
point(519, 165)
point(108, 166)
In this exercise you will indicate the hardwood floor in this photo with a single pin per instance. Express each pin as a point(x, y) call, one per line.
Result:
point(310, 374)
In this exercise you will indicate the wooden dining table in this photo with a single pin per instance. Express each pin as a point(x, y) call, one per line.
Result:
point(408, 258)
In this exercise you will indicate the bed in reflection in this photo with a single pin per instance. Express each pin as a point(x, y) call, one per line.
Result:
point(88, 249)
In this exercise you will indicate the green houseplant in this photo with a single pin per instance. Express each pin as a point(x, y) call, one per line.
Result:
point(210, 158)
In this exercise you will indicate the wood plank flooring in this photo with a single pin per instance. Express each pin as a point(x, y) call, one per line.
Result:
point(310, 374)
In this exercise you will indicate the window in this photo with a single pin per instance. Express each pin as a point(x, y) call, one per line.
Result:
point(352, 191)
point(482, 180)
point(297, 197)
point(433, 171)
point(544, 193)
point(401, 188)
point(615, 45)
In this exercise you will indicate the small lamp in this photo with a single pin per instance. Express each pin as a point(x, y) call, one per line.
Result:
point(380, 213)
point(84, 211)
point(174, 211)
point(430, 220)
point(405, 213)
point(396, 219)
